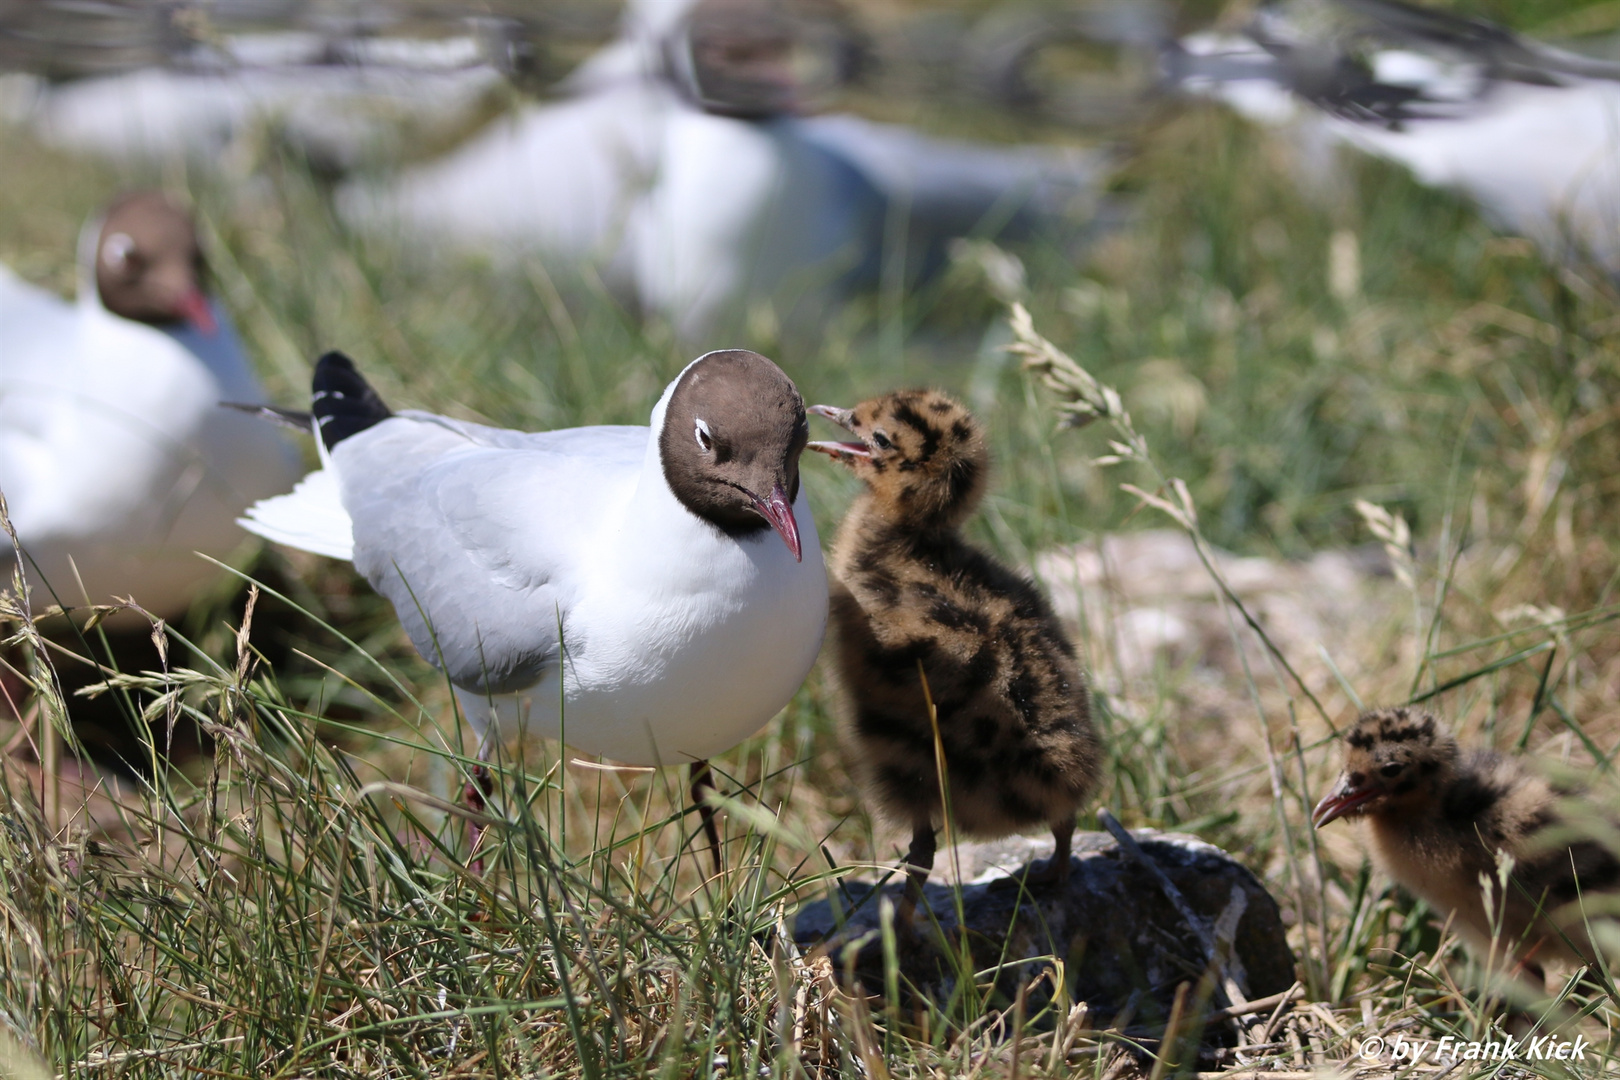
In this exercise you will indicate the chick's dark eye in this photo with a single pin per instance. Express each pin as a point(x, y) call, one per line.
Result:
point(881, 441)
point(1392, 769)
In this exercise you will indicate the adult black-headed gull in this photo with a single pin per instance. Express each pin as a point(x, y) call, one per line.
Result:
point(341, 104)
point(1531, 133)
point(683, 167)
point(649, 594)
point(115, 460)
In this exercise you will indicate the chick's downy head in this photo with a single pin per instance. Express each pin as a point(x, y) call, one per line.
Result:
point(920, 452)
point(1395, 760)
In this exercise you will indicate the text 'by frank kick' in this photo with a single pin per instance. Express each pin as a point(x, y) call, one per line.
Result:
point(1449, 1049)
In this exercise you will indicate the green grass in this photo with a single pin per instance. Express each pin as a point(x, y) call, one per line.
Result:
point(296, 904)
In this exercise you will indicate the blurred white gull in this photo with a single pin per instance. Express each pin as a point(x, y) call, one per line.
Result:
point(681, 168)
point(116, 461)
point(340, 103)
point(1529, 132)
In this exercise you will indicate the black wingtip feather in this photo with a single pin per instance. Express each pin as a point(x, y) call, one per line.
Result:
point(343, 402)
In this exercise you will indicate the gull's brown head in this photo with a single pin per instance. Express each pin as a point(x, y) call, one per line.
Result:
point(759, 59)
point(149, 267)
point(733, 432)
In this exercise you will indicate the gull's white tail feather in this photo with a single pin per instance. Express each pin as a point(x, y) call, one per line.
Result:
point(310, 517)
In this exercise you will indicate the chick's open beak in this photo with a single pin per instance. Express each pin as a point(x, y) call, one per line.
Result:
point(1345, 798)
point(841, 417)
point(838, 451)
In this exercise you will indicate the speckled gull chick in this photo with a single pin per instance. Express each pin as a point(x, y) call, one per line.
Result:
point(940, 651)
point(1441, 814)
point(652, 594)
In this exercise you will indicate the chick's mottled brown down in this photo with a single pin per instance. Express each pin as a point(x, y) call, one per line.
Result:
point(913, 601)
point(1439, 815)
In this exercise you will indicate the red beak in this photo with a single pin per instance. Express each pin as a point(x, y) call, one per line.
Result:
point(779, 512)
point(193, 307)
point(1345, 798)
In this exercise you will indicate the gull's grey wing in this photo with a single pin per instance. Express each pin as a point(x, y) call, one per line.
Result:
point(476, 535)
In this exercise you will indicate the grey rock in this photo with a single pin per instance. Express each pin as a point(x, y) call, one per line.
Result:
point(1123, 945)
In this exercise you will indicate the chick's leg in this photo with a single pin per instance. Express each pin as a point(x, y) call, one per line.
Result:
point(1056, 869)
point(919, 863)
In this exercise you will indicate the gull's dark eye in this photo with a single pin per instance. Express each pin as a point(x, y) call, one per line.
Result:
point(705, 440)
point(881, 441)
point(1392, 769)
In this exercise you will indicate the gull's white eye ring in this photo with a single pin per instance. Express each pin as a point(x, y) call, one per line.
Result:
point(705, 439)
point(115, 252)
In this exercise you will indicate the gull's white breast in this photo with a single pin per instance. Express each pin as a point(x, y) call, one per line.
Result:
point(681, 642)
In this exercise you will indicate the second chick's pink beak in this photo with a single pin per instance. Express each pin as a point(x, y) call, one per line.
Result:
point(779, 512)
point(1345, 798)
